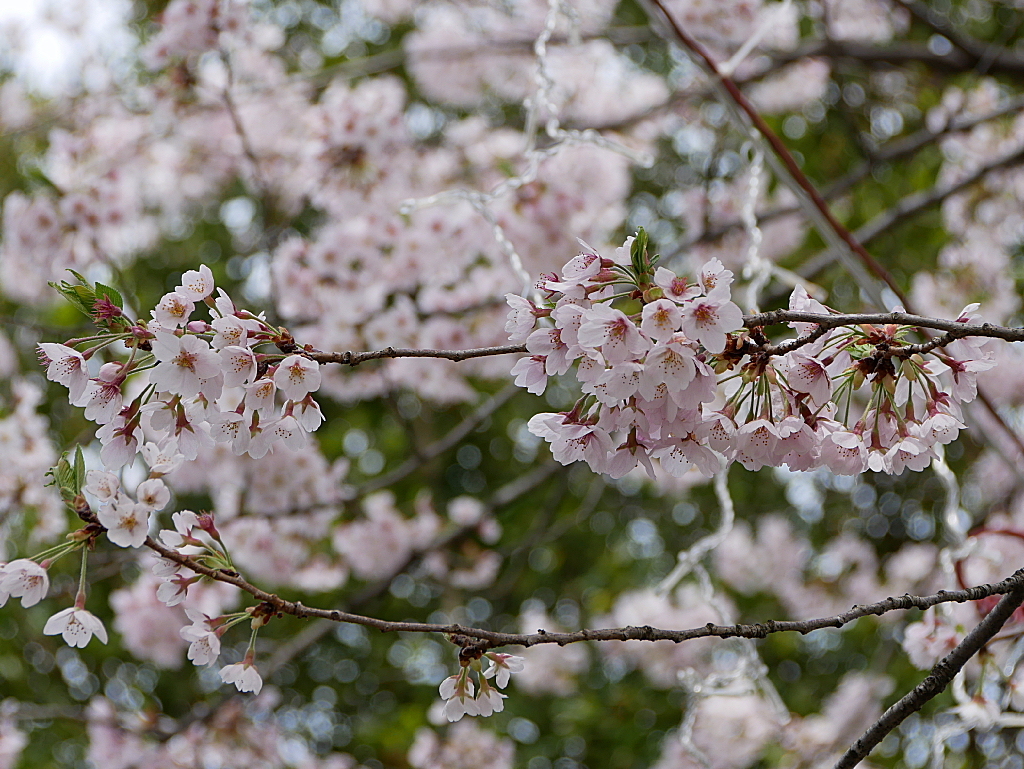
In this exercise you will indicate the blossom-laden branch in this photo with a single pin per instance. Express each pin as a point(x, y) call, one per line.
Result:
point(942, 674)
point(954, 330)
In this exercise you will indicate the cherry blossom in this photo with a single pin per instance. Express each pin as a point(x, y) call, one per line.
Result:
point(502, 666)
point(126, 521)
point(184, 362)
point(204, 643)
point(66, 366)
point(76, 625)
point(243, 675)
point(196, 285)
point(708, 320)
point(457, 692)
point(173, 310)
point(297, 376)
point(26, 580)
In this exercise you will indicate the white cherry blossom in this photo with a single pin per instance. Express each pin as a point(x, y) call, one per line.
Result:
point(238, 365)
point(126, 521)
point(102, 484)
point(26, 580)
point(66, 366)
point(184, 362)
point(76, 625)
point(196, 285)
point(502, 666)
point(173, 309)
point(153, 494)
point(243, 675)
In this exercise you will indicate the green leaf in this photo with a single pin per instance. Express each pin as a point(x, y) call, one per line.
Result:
point(81, 296)
point(68, 477)
point(79, 469)
point(111, 293)
point(638, 252)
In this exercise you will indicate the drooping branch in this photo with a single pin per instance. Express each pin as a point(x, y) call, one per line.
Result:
point(943, 672)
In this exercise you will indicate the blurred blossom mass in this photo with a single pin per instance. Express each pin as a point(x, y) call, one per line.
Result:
point(620, 384)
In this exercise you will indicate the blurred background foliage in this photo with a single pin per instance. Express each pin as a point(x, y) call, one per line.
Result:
point(575, 542)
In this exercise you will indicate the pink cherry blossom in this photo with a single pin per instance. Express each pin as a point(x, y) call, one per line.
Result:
point(661, 319)
point(66, 366)
point(610, 331)
point(531, 374)
point(710, 318)
point(296, 376)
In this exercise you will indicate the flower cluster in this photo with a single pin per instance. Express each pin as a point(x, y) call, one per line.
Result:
point(197, 537)
point(206, 381)
point(666, 376)
point(457, 691)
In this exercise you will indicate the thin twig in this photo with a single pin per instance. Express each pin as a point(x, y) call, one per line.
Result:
point(818, 204)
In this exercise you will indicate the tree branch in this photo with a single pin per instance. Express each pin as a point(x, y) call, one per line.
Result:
point(894, 150)
point(943, 672)
point(953, 329)
point(492, 639)
point(900, 54)
point(829, 225)
point(355, 358)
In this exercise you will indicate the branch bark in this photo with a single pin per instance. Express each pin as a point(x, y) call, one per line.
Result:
point(943, 672)
point(953, 329)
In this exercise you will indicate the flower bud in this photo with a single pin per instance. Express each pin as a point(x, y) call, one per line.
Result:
point(653, 294)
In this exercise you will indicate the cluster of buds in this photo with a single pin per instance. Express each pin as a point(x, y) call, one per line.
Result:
point(462, 698)
point(206, 380)
point(669, 374)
